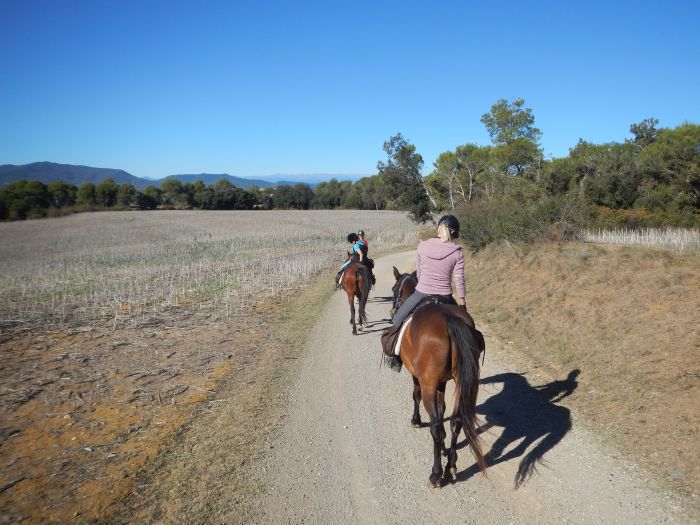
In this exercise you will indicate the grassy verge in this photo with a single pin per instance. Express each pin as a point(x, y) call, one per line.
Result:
point(627, 319)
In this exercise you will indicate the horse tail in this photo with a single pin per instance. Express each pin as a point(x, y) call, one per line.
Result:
point(467, 345)
point(366, 283)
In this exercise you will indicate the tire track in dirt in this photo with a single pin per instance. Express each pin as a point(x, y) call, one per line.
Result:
point(346, 452)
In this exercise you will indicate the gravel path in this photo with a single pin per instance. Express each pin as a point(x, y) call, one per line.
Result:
point(346, 452)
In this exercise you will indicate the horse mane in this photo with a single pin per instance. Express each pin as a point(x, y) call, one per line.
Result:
point(399, 286)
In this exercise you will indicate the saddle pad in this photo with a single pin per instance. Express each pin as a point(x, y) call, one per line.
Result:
point(397, 348)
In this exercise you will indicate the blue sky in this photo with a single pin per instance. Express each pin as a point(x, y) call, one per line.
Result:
point(256, 88)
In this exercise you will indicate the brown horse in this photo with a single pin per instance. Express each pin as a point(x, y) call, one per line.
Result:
point(404, 286)
point(441, 343)
point(357, 282)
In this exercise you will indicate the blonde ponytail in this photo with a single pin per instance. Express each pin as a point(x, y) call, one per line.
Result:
point(444, 232)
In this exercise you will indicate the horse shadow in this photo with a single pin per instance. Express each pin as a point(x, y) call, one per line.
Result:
point(381, 299)
point(378, 325)
point(527, 414)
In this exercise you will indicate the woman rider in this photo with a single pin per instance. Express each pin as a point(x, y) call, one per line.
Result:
point(438, 261)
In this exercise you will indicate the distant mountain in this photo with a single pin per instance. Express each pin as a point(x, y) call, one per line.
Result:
point(50, 172)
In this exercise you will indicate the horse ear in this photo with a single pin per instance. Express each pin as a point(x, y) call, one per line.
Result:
point(396, 273)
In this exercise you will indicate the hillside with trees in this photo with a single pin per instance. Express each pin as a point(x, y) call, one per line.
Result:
point(506, 189)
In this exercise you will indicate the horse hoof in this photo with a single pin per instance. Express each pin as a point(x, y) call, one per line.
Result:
point(415, 423)
point(436, 481)
point(354, 332)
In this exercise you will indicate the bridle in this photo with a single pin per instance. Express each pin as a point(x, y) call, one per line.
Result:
point(398, 288)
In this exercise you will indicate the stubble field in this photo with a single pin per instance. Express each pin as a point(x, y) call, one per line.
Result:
point(115, 326)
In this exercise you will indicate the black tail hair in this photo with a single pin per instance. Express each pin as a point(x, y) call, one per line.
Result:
point(468, 346)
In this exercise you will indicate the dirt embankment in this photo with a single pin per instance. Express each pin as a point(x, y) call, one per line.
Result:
point(626, 319)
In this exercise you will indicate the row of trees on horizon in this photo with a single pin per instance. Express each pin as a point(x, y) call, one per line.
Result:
point(652, 178)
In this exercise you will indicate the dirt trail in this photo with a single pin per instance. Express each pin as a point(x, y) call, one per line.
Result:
point(347, 453)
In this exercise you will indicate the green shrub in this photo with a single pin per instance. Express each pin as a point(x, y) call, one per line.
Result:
point(609, 218)
point(507, 219)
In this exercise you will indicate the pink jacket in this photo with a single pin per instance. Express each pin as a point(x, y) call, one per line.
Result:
point(437, 263)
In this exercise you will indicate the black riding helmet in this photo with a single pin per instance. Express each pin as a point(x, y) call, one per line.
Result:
point(452, 224)
point(361, 233)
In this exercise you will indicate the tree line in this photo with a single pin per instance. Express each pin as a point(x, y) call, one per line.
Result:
point(652, 178)
point(31, 199)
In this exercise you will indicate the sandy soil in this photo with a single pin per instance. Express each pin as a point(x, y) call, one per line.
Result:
point(346, 452)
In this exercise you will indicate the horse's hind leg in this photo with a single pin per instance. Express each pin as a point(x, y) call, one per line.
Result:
point(440, 398)
point(359, 299)
point(415, 420)
point(431, 405)
point(352, 314)
point(456, 428)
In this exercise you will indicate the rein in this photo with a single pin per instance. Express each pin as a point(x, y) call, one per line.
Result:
point(397, 296)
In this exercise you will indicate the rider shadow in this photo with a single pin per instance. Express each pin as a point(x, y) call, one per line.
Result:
point(527, 414)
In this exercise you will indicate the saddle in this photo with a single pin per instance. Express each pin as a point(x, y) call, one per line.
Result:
point(391, 335)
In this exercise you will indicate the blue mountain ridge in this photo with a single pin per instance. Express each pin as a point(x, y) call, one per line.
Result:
point(46, 172)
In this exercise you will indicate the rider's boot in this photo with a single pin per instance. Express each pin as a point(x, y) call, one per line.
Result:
point(388, 339)
point(393, 362)
point(337, 280)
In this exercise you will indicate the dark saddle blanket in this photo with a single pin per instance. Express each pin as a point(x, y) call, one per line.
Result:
point(391, 334)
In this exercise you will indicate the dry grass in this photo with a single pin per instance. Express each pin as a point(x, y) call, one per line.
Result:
point(126, 265)
point(680, 240)
point(116, 327)
point(197, 479)
point(628, 319)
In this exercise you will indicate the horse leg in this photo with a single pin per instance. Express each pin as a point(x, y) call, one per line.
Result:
point(431, 405)
point(358, 294)
point(351, 300)
point(415, 420)
point(440, 398)
point(455, 428)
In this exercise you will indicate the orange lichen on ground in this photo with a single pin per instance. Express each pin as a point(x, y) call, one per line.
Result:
point(84, 411)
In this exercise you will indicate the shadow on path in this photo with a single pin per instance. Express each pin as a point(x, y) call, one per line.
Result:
point(388, 299)
point(526, 414)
